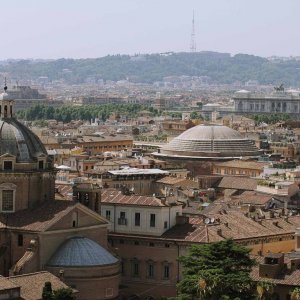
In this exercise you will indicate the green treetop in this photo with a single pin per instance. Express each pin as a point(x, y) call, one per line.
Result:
point(216, 271)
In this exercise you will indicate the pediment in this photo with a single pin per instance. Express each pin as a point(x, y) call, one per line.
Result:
point(81, 215)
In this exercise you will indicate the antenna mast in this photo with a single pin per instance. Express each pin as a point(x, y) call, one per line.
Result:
point(193, 41)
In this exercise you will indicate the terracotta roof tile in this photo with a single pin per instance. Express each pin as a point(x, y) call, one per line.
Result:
point(39, 218)
point(116, 197)
point(243, 164)
point(287, 276)
point(251, 197)
point(32, 284)
point(237, 183)
point(6, 284)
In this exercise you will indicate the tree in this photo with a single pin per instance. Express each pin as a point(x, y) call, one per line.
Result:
point(63, 294)
point(295, 294)
point(47, 293)
point(194, 115)
point(216, 271)
point(265, 290)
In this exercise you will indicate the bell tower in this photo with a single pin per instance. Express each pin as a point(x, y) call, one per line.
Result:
point(7, 105)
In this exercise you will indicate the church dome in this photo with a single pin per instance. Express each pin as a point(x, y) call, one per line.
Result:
point(16, 139)
point(213, 141)
point(81, 252)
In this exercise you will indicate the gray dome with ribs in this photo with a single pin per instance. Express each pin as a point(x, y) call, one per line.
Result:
point(16, 139)
point(210, 141)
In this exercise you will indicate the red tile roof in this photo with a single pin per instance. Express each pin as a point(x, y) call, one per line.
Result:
point(116, 197)
point(251, 197)
point(39, 218)
point(287, 276)
point(237, 183)
point(32, 284)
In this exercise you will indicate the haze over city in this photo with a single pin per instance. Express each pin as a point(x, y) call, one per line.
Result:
point(81, 29)
point(150, 150)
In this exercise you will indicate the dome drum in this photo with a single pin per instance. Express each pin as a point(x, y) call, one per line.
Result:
point(209, 142)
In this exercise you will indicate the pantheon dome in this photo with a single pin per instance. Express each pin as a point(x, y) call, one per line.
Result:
point(213, 142)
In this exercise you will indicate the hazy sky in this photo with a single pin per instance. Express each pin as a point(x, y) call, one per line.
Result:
point(94, 28)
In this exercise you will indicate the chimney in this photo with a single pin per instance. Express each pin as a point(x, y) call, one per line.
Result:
point(163, 200)
point(181, 220)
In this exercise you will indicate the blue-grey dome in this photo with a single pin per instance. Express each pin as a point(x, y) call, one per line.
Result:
point(18, 140)
point(81, 252)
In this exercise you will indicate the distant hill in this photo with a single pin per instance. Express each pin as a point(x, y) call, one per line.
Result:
point(148, 68)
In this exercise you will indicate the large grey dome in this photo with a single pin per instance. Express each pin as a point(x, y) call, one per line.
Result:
point(81, 252)
point(16, 139)
point(214, 141)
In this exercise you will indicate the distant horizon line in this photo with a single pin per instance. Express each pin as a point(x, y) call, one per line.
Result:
point(147, 53)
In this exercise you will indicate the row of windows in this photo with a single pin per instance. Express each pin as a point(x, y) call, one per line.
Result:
point(137, 243)
point(151, 270)
point(268, 240)
point(8, 165)
point(138, 184)
point(122, 220)
point(235, 172)
point(106, 147)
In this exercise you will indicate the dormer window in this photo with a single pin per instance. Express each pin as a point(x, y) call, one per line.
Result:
point(7, 165)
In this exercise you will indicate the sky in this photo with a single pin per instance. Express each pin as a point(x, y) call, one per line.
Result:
point(94, 28)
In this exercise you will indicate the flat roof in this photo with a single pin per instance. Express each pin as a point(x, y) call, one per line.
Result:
point(137, 171)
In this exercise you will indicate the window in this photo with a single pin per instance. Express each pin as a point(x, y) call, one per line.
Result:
point(150, 270)
point(121, 241)
point(151, 244)
point(135, 269)
point(7, 200)
point(152, 220)
point(107, 214)
point(136, 243)
point(20, 240)
point(7, 165)
point(165, 224)
point(109, 292)
point(122, 268)
point(166, 272)
point(41, 165)
point(137, 219)
point(122, 220)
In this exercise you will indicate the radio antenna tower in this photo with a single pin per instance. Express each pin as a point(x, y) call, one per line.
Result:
point(193, 41)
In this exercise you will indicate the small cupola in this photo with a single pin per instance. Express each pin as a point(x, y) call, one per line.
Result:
point(7, 104)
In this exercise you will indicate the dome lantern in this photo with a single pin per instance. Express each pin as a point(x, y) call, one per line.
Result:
point(7, 104)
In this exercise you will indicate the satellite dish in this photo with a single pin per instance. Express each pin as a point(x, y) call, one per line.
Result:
point(207, 221)
point(212, 220)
